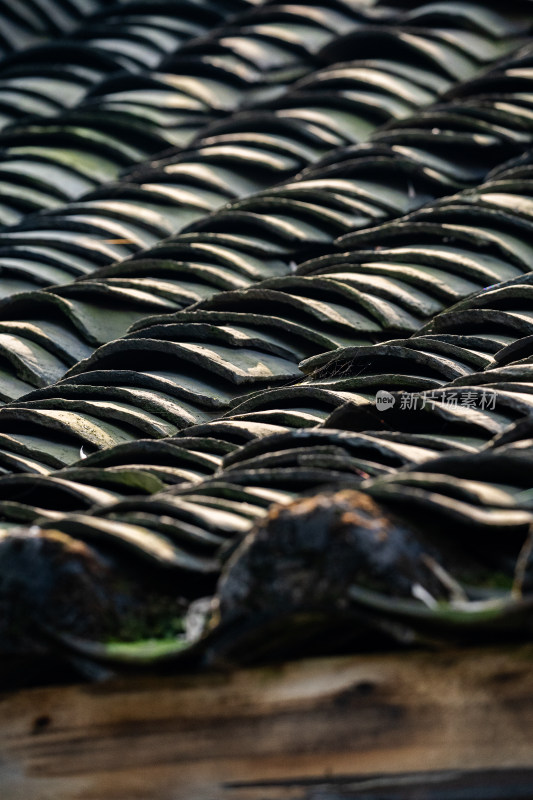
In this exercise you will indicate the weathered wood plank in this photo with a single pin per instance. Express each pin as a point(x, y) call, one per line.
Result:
point(196, 737)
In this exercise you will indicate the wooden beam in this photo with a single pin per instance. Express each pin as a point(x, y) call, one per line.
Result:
point(273, 732)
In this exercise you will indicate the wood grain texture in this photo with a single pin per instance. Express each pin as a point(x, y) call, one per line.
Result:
point(276, 732)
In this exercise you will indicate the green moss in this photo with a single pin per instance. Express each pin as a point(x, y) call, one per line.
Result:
point(496, 580)
point(156, 616)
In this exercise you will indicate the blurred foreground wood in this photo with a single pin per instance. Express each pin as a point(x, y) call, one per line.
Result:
point(287, 731)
